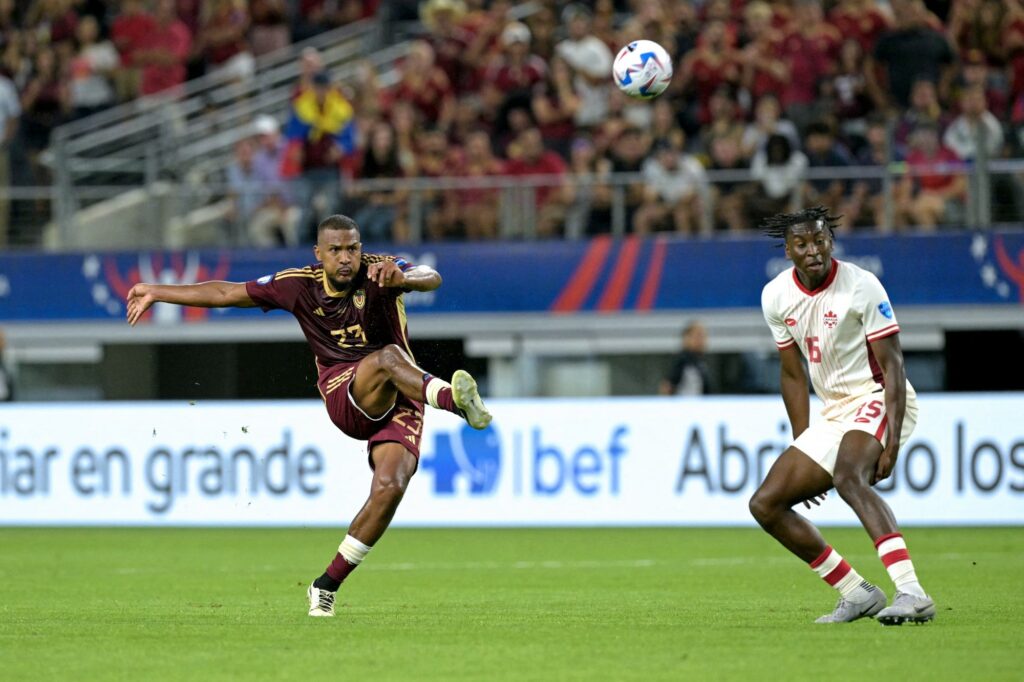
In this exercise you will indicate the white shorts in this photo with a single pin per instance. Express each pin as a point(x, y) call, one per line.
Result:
point(821, 440)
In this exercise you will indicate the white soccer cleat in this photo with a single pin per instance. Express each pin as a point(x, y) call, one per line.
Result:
point(907, 608)
point(321, 602)
point(467, 398)
point(868, 600)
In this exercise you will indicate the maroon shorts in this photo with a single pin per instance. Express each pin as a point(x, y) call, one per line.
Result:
point(403, 423)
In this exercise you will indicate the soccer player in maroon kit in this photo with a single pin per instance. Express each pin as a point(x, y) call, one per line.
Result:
point(351, 311)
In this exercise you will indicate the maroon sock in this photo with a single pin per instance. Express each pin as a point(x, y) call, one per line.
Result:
point(340, 568)
point(439, 395)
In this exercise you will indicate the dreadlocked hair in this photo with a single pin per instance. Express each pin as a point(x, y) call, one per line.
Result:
point(777, 225)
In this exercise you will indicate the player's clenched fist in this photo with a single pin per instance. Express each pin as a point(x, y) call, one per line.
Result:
point(140, 298)
point(386, 273)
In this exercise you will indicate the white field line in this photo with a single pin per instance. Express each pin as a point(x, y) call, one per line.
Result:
point(699, 562)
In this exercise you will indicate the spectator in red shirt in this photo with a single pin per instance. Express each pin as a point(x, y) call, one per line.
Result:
point(167, 47)
point(528, 157)
point(852, 101)
point(704, 70)
point(764, 70)
point(222, 39)
point(932, 195)
point(859, 20)
point(980, 25)
point(130, 33)
point(810, 54)
point(514, 72)
point(478, 206)
point(449, 39)
point(487, 28)
point(1013, 40)
point(554, 107)
point(423, 84)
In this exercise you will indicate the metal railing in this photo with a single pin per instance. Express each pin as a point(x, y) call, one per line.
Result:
point(170, 214)
point(170, 135)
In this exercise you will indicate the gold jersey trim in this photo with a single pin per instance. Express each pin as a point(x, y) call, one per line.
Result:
point(330, 290)
point(403, 324)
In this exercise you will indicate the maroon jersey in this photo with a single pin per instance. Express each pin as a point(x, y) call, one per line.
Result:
point(341, 326)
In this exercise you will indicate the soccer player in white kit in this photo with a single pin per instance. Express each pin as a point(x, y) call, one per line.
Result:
point(838, 317)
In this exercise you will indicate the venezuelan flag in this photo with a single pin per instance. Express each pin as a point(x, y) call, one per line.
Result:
point(309, 120)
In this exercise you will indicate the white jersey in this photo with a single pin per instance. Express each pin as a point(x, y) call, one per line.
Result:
point(833, 326)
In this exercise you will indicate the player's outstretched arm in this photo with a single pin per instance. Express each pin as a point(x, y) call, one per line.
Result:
point(202, 295)
point(388, 274)
point(795, 393)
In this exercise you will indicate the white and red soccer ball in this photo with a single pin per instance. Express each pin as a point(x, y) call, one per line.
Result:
point(642, 69)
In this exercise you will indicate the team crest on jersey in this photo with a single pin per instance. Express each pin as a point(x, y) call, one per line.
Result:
point(265, 279)
point(885, 309)
point(831, 320)
point(790, 322)
point(359, 298)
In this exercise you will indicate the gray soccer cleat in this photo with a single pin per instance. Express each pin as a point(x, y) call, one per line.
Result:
point(467, 398)
point(321, 602)
point(871, 601)
point(906, 608)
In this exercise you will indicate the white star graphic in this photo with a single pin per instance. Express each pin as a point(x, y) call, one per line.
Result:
point(989, 275)
point(91, 267)
point(100, 293)
point(979, 247)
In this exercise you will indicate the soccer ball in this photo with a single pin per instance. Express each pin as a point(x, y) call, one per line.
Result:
point(642, 69)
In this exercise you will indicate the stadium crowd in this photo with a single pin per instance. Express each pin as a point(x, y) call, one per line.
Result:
point(765, 89)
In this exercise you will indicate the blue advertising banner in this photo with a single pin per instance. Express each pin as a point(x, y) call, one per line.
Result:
point(599, 275)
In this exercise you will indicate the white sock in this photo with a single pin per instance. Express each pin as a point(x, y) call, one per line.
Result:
point(834, 569)
point(353, 550)
point(892, 550)
point(433, 387)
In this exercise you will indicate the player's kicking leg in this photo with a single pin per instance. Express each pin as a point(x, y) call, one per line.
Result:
point(393, 467)
point(794, 478)
point(391, 369)
point(855, 466)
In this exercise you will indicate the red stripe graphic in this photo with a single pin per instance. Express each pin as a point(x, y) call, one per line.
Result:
point(890, 536)
point(838, 573)
point(894, 556)
point(618, 286)
point(882, 333)
point(881, 428)
point(583, 279)
point(653, 280)
point(821, 557)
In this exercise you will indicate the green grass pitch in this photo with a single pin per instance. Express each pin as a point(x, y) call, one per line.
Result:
point(553, 604)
